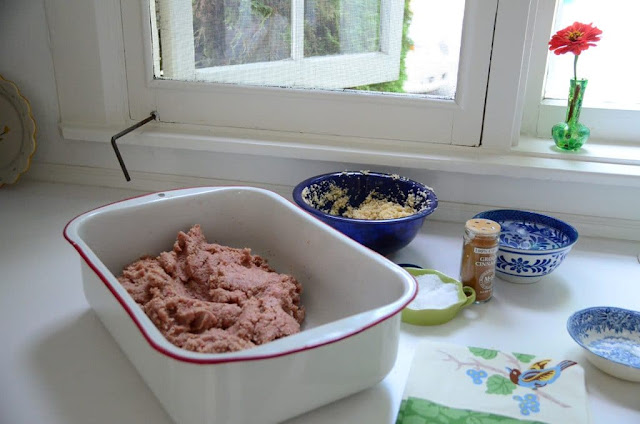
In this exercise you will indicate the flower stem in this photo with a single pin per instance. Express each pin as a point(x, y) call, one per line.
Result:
point(575, 67)
point(572, 105)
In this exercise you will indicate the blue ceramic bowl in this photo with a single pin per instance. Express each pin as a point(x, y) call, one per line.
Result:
point(384, 236)
point(532, 245)
point(611, 338)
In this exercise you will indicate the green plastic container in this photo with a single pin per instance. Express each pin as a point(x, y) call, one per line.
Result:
point(466, 296)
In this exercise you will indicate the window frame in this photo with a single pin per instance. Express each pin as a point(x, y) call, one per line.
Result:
point(313, 112)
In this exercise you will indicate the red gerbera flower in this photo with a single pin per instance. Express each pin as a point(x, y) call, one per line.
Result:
point(574, 38)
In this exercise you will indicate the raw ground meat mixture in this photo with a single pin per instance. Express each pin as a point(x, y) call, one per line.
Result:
point(206, 297)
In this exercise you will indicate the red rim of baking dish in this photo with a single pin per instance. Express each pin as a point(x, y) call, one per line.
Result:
point(181, 358)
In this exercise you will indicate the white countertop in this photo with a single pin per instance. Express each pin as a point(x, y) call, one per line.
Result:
point(60, 365)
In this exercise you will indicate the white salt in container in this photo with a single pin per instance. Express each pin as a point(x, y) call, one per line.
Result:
point(439, 298)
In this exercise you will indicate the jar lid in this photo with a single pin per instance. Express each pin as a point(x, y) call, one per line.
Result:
point(483, 226)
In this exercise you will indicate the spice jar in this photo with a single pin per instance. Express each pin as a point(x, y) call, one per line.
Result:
point(479, 251)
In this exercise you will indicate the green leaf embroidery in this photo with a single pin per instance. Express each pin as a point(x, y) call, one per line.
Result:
point(499, 385)
point(403, 405)
point(523, 357)
point(483, 353)
point(423, 408)
point(422, 411)
point(415, 419)
point(455, 414)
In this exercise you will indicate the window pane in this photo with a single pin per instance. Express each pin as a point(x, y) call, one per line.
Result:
point(341, 26)
point(234, 32)
point(392, 46)
point(611, 65)
point(432, 61)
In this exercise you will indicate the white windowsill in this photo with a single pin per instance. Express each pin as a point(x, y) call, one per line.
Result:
point(532, 158)
point(592, 151)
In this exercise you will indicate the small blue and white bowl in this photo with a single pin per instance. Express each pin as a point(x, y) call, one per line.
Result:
point(532, 245)
point(611, 339)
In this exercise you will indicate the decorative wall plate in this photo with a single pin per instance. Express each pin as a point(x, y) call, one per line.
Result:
point(17, 133)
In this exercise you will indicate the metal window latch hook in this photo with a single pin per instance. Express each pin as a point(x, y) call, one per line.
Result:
point(152, 117)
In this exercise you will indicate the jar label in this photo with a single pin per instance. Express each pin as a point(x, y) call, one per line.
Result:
point(482, 251)
point(486, 279)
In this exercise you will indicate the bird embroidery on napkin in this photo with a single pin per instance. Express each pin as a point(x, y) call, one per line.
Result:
point(537, 375)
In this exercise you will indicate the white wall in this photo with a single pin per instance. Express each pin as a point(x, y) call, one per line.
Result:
point(26, 59)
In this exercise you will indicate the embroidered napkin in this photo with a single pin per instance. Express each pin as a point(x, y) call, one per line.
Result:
point(459, 384)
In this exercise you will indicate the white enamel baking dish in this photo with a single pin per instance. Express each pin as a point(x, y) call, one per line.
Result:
point(353, 298)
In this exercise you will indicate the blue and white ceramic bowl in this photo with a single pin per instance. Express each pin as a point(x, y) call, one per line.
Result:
point(532, 245)
point(611, 338)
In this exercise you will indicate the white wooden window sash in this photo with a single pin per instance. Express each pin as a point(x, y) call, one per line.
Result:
point(327, 72)
point(370, 119)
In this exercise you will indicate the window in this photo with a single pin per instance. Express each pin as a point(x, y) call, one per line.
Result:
point(283, 43)
point(611, 106)
point(433, 58)
point(348, 114)
point(610, 65)
point(105, 79)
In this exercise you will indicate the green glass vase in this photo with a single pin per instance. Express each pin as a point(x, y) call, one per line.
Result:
point(571, 134)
